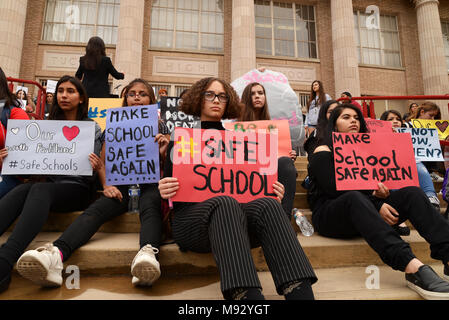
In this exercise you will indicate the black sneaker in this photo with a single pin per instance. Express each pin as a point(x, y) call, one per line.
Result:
point(428, 284)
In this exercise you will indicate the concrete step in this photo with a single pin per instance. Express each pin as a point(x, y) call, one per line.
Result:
point(346, 283)
point(112, 253)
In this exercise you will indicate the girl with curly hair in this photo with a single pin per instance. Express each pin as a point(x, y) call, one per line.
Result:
point(230, 229)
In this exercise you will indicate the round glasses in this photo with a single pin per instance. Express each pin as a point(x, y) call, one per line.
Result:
point(210, 96)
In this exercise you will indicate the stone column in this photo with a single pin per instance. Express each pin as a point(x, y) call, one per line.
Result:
point(128, 52)
point(431, 48)
point(12, 30)
point(346, 65)
point(243, 52)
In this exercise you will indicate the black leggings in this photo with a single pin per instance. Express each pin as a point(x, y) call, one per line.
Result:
point(229, 230)
point(32, 202)
point(105, 209)
point(287, 176)
point(353, 214)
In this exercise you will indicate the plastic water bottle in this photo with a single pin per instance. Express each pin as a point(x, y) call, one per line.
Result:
point(134, 195)
point(304, 225)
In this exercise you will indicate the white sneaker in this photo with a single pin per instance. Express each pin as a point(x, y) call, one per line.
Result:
point(43, 266)
point(145, 268)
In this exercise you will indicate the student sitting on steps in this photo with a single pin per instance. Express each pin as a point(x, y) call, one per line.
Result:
point(230, 229)
point(32, 202)
point(370, 214)
point(44, 265)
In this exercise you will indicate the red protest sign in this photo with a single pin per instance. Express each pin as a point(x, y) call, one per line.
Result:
point(210, 163)
point(363, 159)
point(282, 127)
point(375, 126)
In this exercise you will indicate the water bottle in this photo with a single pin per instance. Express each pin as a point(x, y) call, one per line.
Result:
point(304, 225)
point(134, 195)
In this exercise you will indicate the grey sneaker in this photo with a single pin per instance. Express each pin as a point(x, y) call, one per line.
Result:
point(436, 177)
point(42, 266)
point(145, 268)
point(428, 284)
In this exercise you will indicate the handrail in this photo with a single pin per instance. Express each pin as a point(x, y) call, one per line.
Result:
point(41, 95)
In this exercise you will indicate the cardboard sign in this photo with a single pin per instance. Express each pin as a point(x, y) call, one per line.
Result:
point(98, 108)
point(175, 118)
point(282, 127)
point(49, 147)
point(363, 159)
point(425, 143)
point(375, 126)
point(132, 155)
point(210, 163)
point(283, 102)
point(51, 86)
point(440, 125)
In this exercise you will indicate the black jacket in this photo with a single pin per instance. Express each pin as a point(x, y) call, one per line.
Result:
point(96, 81)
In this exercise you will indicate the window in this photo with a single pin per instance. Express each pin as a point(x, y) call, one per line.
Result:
point(173, 90)
point(285, 29)
point(378, 44)
point(79, 20)
point(187, 24)
point(303, 98)
point(445, 29)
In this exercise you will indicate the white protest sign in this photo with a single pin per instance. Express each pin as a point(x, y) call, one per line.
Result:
point(283, 102)
point(425, 143)
point(49, 147)
point(51, 86)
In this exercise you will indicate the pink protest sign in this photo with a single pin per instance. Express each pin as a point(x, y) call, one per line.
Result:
point(210, 163)
point(375, 126)
point(282, 127)
point(364, 159)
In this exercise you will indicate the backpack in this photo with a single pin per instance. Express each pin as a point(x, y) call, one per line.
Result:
point(444, 189)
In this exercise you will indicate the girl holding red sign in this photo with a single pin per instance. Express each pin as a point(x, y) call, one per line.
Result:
point(32, 202)
point(114, 202)
point(370, 214)
point(256, 108)
point(230, 229)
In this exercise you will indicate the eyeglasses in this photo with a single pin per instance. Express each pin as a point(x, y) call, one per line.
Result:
point(141, 94)
point(210, 96)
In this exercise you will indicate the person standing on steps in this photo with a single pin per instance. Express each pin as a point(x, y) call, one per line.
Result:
point(94, 69)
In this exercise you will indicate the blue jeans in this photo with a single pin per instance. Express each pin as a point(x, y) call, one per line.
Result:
point(425, 181)
point(7, 183)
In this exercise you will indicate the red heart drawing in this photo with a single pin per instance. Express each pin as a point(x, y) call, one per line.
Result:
point(70, 133)
point(442, 125)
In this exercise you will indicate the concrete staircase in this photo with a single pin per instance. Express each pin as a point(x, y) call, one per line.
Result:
point(341, 265)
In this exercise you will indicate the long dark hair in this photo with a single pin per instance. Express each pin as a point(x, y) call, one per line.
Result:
point(322, 119)
point(321, 94)
point(250, 113)
point(131, 84)
point(5, 93)
point(384, 116)
point(333, 121)
point(95, 50)
point(57, 113)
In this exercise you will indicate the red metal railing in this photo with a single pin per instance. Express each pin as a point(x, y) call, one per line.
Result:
point(41, 96)
point(368, 110)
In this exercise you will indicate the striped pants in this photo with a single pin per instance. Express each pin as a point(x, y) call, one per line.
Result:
point(229, 230)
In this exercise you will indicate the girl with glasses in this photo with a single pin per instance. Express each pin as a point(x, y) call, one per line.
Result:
point(230, 229)
point(44, 266)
